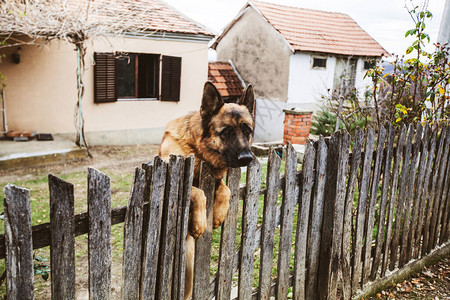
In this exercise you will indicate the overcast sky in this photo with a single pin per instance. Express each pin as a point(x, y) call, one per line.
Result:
point(385, 20)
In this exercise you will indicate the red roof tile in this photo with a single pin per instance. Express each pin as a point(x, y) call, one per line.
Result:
point(320, 31)
point(315, 31)
point(151, 15)
point(225, 79)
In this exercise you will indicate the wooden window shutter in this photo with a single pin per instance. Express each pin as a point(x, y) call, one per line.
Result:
point(170, 78)
point(105, 78)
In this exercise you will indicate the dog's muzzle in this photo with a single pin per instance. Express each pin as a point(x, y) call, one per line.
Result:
point(245, 158)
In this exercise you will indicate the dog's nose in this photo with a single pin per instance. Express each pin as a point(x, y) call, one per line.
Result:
point(245, 158)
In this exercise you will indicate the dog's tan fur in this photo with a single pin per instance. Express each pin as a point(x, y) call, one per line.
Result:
point(206, 135)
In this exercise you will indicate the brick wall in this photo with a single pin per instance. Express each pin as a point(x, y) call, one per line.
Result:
point(296, 126)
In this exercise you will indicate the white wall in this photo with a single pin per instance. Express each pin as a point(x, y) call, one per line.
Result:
point(307, 84)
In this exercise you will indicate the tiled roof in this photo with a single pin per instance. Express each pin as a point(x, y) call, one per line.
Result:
point(316, 31)
point(225, 79)
point(151, 15)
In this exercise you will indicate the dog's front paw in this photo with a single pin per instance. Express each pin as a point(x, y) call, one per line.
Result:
point(197, 226)
point(197, 214)
point(221, 204)
point(220, 213)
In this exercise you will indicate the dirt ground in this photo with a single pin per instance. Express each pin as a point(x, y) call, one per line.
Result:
point(124, 158)
point(432, 282)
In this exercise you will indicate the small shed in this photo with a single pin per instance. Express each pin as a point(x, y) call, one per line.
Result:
point(226, 79)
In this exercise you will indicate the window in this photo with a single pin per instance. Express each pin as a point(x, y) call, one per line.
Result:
point(369, 64)
point(136, 76)
point(319, 62)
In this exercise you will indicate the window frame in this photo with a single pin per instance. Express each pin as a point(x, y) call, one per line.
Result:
point(314, 57)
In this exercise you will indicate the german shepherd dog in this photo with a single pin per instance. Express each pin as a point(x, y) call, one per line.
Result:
point(219, 134)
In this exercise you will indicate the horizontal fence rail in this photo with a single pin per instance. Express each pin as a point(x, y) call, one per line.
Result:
point(353, 209)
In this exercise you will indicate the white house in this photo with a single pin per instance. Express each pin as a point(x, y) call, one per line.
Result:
point(293, 56)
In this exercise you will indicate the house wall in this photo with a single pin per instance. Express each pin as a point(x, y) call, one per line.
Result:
point(307, 84)
point(41, 91)
point(260, 54)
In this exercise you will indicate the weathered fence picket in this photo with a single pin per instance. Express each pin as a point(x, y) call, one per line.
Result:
point(286, 222)
point(203, 244)
point(347, 222)
point(62, 241)
point(99, 239)
point(401, 188)
point(303, 221)
point(228, 237)
point(361, 213)
point(19, 254)
point(379, 242)
point(151, 250)
point(268, 225)
point(317, 200)
point(132, 238)
point(249, 219)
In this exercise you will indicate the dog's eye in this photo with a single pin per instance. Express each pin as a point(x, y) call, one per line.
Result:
point(227, 132)
point(246, 130)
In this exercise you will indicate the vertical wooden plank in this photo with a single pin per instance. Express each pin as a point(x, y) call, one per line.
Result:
point(18, 243)
point(99, 242)
point(438, 195)
point(424, 203)
point(370, 216)
point(316, 221)
point(302, 222)
point(249, 219)
point(151, 253)
point(286, 222)
point(348, 209)
point(328, 215)
point(384, 201)
point(228, 238)
point(169, 228)
point(182, 231)
point(62, 239)
point(432, 204)
point(446, 208)
point(417, 205)
point(335, 256)
point(268, 225)
point(202, 261)
point(361, 213)
point(399, 210)
point(132, 238)
point(404, 255)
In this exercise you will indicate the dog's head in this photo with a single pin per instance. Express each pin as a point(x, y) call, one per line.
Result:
point(228, 127)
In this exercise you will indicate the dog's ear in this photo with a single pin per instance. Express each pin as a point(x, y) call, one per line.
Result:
point(248, 99)
point(211, 102)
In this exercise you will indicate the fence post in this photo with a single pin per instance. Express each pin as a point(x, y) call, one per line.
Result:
point(268, 225)
point(62, 240)
point(249, 218)
point(99, 242)
point(348, 220)
point(169, 229)
point(361, 213)
point(316, 221)
point(228, 238)
point(371, 205)
point(18, 242)
point(286, 222)
point(202, 261)
point(151, 250)
point(132, 238)
point(381, 238)
point(184, 200)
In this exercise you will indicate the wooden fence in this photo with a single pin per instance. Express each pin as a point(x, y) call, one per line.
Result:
point(351, 211)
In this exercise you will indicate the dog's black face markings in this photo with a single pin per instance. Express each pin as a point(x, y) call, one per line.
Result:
point(235, 129)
